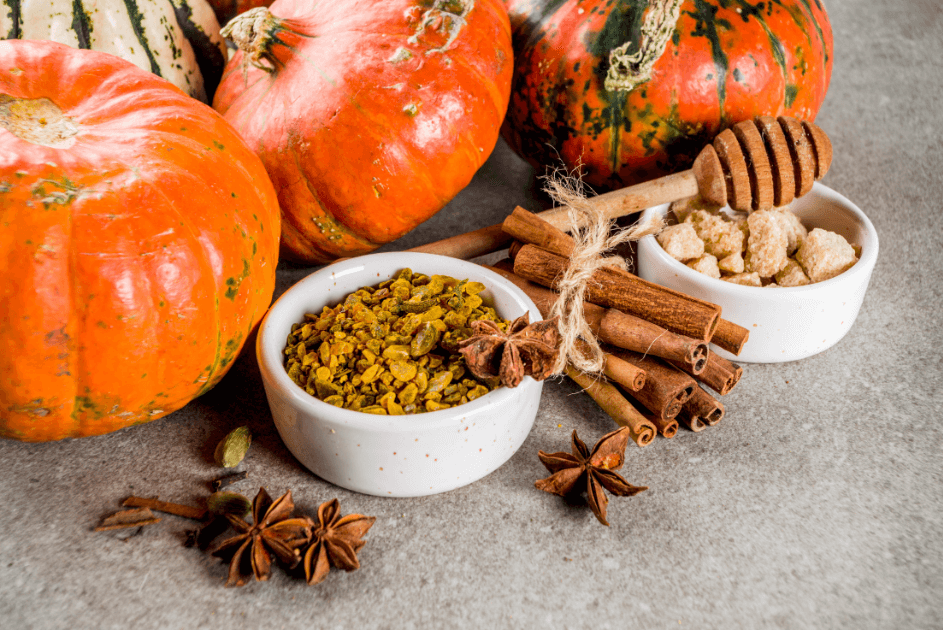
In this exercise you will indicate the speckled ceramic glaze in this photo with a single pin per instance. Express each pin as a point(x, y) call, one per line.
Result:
point(398, 456)
point(785, 323)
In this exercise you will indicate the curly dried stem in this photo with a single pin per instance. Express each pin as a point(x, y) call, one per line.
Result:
point(627, 71)
point(254, 32)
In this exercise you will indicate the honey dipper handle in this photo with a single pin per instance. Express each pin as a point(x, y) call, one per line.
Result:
point(613, 204)
point(706, 177)
point(624, 201)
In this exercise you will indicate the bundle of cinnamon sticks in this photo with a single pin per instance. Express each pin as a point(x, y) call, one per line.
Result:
point(658, 365)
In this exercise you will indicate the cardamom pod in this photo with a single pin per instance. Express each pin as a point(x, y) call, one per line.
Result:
point(223, 502)
point(232, 449)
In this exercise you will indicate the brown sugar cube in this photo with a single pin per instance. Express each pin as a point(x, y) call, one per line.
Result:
point(732, 263)
point(729, 239)
point(793, 227)
point(700, 217)
point(792, 275)
point(721, 237)
point(706, 264)
point(751, 279)
point(825, 254)
point(744, 227)
point(766, 247)
point(681, 242)
point(683, 207)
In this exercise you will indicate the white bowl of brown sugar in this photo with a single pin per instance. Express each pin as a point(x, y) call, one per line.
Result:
point(369, 450)
point(797, 282)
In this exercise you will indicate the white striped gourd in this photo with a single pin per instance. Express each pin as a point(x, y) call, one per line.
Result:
point(178, 40)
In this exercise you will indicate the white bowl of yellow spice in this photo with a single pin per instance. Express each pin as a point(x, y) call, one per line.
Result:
point(393, 455)
point(786, 323)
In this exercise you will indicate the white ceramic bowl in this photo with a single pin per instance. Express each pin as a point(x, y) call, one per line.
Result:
point(785, 323)
point(398, 456)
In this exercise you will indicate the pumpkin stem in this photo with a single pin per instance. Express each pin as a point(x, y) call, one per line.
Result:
point(37, 120)
point(628, 71)
point(445, 17)
point(254, 32)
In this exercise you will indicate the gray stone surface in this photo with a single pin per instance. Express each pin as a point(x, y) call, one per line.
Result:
point(817, 503)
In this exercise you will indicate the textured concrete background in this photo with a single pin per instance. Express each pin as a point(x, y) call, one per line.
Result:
point(817, 503)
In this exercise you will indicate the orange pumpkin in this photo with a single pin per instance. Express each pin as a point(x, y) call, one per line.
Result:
point(138, 243)
point(626, 91)
point(369, 116)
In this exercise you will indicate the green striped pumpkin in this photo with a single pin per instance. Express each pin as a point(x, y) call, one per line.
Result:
point(629, 90)
point(178, 40)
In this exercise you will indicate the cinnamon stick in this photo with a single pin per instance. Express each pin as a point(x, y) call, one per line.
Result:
point(729, 336)
point(469, 245)
point(614, 403)
point(666, 389)
point(704, 407)
point(127, 518)
point(622, 372)
point(513, 248)
point(719, 374)
point(634, 333)
point(693, 423)
point(665, 307)
point(527, 227)
point(617, 328)
point(176, 509)
point(667, 428)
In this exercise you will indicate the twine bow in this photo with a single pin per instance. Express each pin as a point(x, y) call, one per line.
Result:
point(593, 237)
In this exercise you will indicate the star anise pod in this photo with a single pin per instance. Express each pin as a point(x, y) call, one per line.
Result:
point(273, 532)
point(595, 467)
point(524, 350)
point(335, 541)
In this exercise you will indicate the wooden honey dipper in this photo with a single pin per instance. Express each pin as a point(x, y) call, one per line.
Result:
point(762, 163)
point(755, 165)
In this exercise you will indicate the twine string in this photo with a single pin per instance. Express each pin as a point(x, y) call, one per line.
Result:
point(594, 237)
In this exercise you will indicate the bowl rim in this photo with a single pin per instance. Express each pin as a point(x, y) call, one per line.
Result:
point(862, 268)
point(324, 412)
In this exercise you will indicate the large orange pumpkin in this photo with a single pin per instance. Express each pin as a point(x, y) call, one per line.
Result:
point(369, 116)
point(138, 243)
point(629, 90)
